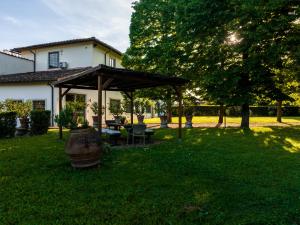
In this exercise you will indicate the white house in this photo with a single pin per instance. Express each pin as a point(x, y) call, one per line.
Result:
point(28, 75)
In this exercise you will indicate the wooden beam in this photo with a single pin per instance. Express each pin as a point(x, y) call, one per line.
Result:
point(100, 88)
point(129, 95)
point(107, 83)
point(60, 109)
point(66, 91)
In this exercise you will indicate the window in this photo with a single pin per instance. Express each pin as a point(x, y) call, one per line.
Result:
point(53, 60)
point(112, 62)
point(39, 105)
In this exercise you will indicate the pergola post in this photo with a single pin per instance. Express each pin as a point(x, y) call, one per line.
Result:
point(60, 96)
point(131, 108)
point(179, 95)
point(100, 88)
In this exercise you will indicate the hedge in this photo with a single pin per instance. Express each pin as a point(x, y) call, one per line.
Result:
point(213, 110)
point(39, 122)
point(8, 123)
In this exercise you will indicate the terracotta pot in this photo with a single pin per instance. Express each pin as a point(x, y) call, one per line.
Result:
point(189, 123)
point(163, 122)
point(95, 121)
point(140, 119)
point(83, 148)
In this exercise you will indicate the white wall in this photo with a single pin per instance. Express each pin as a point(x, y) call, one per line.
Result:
point(75, 55)
point(99, 55)
point(11, 64)
point(44, 92)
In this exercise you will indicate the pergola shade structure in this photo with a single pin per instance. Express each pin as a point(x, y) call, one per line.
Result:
point(103, 78)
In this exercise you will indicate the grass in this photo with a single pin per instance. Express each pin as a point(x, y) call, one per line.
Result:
point(214, 176)
point(214, 119)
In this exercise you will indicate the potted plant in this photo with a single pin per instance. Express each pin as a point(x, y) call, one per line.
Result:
point(83, 146)
point(140, 106)
point(161, 109)
point(23, 110)
point(94, 108)
point(77, 107)
point(189, 113)
point(116, 110)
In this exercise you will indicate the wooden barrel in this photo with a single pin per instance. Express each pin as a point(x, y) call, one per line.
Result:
point(84, 148)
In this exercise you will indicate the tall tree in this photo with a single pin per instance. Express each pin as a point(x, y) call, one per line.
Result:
point(154, 46)
point(256, 35)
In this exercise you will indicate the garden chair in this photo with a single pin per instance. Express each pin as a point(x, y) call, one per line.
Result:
point(138, 130)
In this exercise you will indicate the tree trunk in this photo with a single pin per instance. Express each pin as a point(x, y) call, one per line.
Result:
point(169, 111)
point(221, 114)
point(245, 116)
point(279, 111)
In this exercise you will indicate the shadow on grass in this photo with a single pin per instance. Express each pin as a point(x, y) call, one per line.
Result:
point(214, 176)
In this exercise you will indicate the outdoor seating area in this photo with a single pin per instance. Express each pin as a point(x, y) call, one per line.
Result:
point(133, 134)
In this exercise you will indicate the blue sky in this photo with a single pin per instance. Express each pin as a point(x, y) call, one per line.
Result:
point(26, 22)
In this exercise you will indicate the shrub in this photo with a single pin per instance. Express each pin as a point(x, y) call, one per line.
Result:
point(8, 124)
point(39, 122)
point(66, 118)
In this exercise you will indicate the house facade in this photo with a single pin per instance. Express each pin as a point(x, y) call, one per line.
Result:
point(48, 63)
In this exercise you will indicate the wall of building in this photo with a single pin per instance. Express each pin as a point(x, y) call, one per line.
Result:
point(102, 56)
point(10, 64)
point(44, 92)
point(77, 55)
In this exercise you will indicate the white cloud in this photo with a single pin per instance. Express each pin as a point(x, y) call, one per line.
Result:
point(107, 20)
point(12, 20)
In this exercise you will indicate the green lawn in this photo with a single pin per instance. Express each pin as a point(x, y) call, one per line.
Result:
point(214, 176)
point(214, 119)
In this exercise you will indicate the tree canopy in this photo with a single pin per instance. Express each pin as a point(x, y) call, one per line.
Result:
point(235, 51)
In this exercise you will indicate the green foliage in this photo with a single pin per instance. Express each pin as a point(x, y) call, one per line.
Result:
point(22, 109)
point(161, 108)
point(140, 105)
point(212, 110)
point(117, 109)
point(39, 122)
point(85, 124)
point(8, 124)
point(66, 118)
point(94, 108)
point(154, 46)
point(233, 51)
point(2, 106)
point(189, 110)
point(214, 176)
point(76, 106)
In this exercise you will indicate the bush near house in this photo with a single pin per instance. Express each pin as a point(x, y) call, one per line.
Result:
point(8, 124)
point(39, 122)
point(213, 110)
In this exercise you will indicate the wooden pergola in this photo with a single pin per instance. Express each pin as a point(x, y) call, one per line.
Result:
point(104, 78)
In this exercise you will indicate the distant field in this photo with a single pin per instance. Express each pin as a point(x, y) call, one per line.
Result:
point(214, 119)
